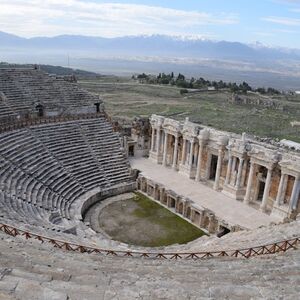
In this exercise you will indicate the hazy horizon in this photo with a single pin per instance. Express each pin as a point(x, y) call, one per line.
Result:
point(273, 23)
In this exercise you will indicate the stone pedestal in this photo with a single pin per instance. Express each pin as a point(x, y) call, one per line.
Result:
point(234, 192)
point(280, 211)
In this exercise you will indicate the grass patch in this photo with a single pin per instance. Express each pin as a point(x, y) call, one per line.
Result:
point(174, 228)
point(125, 99)
point(143, 222)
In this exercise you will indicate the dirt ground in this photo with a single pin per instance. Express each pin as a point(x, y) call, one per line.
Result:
point(142, 222)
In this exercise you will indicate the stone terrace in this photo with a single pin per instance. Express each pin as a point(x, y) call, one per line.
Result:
point(43, 273)
point(45, 170)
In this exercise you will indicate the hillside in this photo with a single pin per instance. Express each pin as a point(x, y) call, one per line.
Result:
point(125, 99)
point(58, 70)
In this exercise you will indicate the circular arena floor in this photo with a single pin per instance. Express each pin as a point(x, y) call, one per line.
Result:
point(137, 220)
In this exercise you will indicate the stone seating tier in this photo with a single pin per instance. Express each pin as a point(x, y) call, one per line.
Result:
point(22, 89)
point(45, 169)
point(30, 270)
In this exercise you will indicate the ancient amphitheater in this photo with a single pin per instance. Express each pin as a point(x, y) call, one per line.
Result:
point(60, 154)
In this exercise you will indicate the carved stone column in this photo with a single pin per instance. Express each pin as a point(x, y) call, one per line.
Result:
point(165, 149)
point(175, 153)
point(266, 190)
point(183, 152)
point(234, 160)
point(199, 163)
point(249, 183)
point(218, 170)
point(240, 173)
point(153, 140)
point(295, 194)
point(191, 156)
point(229, 166)
point(243, 183)
point(158, 132)
point(281, 189)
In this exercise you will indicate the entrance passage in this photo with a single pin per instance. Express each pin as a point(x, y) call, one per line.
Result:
point(213, 167)
point(40, 110)
point(131, 151)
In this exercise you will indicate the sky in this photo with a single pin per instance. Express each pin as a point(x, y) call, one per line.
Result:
point(271, 22)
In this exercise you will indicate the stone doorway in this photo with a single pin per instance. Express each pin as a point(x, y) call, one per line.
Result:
point(213, 167)
point(131, 151)
point(172, 202)
point(40, 110)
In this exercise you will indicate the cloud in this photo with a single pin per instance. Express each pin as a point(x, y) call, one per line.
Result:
point(53, 17)
point(289, 2)
point(283, 21)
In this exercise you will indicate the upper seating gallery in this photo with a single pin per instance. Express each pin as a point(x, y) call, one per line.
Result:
point(30, 92)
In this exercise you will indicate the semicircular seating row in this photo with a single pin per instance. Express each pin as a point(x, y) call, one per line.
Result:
point(44, 169)
point(24, 87)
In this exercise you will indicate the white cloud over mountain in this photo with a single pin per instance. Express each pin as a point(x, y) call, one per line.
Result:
point(283, 21)
point(53, 17)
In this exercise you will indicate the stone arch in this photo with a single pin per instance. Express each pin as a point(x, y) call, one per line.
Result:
point(165, 199)
point(157, 193)
point(172, 202)
point(188, 212)
point(40, 110)
point(180, 208)
point(196, 217)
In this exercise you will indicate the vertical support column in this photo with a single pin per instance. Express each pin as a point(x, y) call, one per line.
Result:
point(183, 151)
point(165, 149)
point(249, 184)
point(233, 170)
point(153, 140)
point(229, 166)
point(191, 156)
point(266, 191)
point(199, 163)
point(281, 191)
point(295, 194)
point(218, 170)
point(175, 154)
point(240, 173)
point(244, 172)
point(158, 132)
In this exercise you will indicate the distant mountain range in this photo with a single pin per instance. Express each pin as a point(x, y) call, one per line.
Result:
point(155, 45)
point(257, 64)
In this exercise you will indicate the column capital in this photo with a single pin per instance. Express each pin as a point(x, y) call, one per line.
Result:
point(192, 140)
point(176, 134)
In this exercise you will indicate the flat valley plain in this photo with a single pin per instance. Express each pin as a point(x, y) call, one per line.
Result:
point(125, 99)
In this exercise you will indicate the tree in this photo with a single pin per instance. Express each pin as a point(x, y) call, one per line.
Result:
point(180, 77)
point(261, 90)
